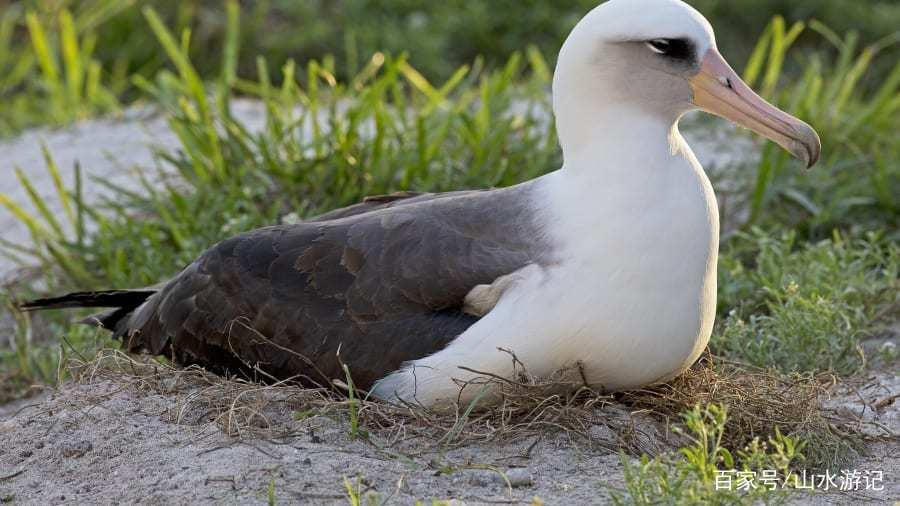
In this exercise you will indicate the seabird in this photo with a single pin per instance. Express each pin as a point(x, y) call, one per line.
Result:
point(608, 262)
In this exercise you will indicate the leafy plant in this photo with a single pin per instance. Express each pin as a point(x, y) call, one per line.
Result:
point(804, 307)
point(692, 476)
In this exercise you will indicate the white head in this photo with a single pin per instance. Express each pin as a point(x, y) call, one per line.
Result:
point(656, 59)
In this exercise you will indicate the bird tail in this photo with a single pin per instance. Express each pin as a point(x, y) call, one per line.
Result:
point(122, 302)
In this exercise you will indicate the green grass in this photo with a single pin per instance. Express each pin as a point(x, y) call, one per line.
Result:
point(690, 476)
point(854, 187)
point(805, 307)
point(48, 70)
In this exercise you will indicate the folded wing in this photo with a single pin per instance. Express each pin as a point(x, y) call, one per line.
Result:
point(380, 283)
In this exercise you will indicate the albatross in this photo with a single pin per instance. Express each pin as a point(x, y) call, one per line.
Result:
point(608, 262)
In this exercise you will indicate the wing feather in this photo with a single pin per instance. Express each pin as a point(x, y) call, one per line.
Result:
point(384, 282)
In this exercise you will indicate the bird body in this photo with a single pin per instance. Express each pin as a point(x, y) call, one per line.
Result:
point(609, 262)
point(629, 292)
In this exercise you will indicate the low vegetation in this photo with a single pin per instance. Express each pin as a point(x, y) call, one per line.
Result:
point(704, 472)
point(805, 307)
point(808, 278)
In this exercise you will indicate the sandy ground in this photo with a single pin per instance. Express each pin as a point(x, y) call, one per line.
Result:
point(101, 443)
point(105, 441)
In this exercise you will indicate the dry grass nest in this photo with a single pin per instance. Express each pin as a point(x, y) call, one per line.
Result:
point(526, 408)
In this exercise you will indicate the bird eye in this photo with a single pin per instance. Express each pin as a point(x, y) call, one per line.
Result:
point(678, 49)
point(659, 46)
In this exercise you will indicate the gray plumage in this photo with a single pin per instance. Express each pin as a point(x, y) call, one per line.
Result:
point(382, 281)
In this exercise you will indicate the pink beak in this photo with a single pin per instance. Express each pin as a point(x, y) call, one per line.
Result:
point(718, 90)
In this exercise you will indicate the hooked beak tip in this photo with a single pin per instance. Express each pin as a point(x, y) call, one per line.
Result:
point(804, 143)
point(811, 145)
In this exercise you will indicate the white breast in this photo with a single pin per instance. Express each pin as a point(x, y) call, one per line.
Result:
point(637, 277)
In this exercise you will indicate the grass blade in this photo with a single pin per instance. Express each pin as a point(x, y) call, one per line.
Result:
point(37, 230)
point(53, 170)
point(232, 41)
point(39, 202)
point(71, 57)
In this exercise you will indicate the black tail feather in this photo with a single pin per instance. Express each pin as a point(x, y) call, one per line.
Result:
point(123, 302)
point(125, 299)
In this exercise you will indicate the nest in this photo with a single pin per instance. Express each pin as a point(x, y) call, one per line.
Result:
point(758, 403)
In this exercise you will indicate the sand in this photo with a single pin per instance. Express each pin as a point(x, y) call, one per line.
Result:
point(101, 443)
point(108, 441)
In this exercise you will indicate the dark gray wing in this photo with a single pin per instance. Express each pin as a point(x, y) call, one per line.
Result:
point(383, 285)
point(377, 202)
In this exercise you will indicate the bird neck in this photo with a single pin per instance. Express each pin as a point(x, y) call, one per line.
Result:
point(617, 142)
point(624, 163)
point(624, 185)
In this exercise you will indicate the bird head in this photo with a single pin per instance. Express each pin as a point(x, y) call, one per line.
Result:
point(660, 57)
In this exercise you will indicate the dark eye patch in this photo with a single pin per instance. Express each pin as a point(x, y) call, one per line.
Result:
point(677, 49)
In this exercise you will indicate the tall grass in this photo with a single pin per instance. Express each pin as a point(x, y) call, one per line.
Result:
point(55, 79)
point(858, 178)
point(325, 144)
point(438, 37)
